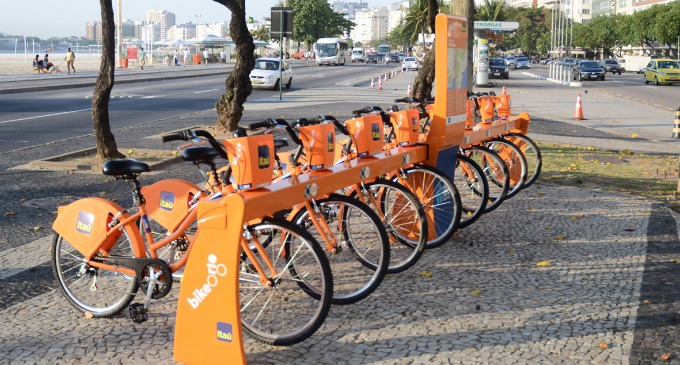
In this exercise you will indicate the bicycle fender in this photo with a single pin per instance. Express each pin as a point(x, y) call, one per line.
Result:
point(84, 224)
point(167, 201)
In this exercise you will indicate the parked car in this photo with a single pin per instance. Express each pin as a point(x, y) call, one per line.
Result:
point(662, 71)
point(266, 73)
point(498, 67)
point(522, 62)
point(372, 57)
point(409, 63)
point(511, 60)
point(545, 61)
point(611, 66)
point(587, 70)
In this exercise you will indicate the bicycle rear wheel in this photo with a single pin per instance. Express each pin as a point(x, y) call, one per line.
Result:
point(440, 200)
point(473, 187)
point(514, 160)
point(532, 154)
point(362, 254)
point(404, 218)
point(496, 173)
point(103, 293)
point(285, 312)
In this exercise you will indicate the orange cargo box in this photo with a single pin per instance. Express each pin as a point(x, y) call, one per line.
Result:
point(367, 134)
point(319, 142)
point(406, 126)
point(251, 160)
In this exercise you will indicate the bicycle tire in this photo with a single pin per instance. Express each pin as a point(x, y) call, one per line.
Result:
point(440, 200)
point(284, 313)
point(514, 160)
point(496, 172)
point(362, 255)
point(473, 187)
point(532, 154)
point(103, 293)
point(404, 220)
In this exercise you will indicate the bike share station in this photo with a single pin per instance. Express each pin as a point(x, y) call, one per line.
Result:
point(485, 32)
point(208, 323)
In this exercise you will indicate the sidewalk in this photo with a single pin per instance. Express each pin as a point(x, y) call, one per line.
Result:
point(609, 296)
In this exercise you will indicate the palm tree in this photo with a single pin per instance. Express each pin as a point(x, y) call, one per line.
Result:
point(491, 10)
point(415, 20)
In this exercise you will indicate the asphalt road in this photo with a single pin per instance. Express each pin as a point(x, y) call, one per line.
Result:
point(30, 119)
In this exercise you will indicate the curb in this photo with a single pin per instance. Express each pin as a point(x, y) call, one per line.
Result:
point(60, 162)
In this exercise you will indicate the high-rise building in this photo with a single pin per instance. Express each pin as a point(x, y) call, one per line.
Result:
point(165, 18)
point(93, 31)
point(151, 32)
point(371, 24)
point(349, 8)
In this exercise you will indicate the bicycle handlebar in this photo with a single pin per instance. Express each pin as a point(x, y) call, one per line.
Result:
point(188, 135)
point(366, 110)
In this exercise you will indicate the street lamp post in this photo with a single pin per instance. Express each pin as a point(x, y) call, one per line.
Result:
point(120, 34)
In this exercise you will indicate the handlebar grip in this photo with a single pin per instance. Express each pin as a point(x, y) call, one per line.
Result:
point(185, 135)
point(403, 100)
point(258, 125)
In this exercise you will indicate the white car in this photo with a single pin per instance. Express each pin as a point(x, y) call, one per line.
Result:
point(266, 74)
point(409, 63)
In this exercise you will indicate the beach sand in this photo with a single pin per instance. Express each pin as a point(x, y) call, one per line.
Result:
point(11, 64)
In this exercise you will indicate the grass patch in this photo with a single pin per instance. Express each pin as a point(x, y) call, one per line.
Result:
point(651, 176)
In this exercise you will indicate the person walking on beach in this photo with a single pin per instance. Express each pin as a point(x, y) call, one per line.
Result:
point(186, 57)
point(142, 58)
point(70, 57)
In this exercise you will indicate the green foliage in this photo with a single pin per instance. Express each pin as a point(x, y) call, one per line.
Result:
point(316, 19)
point(414, 22)
point(262, 34)
point(491, 10)
point(532, 25)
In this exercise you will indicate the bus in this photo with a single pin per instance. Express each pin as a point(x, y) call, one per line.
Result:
point(383, 49)
point(331, 51)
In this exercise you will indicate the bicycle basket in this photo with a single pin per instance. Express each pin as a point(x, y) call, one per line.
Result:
point(319, 142)
point(251, 160)
point(367, 133)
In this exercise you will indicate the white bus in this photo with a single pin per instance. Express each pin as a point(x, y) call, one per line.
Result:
point(331, 51)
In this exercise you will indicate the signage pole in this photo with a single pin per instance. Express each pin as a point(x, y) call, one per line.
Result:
point(281, 60)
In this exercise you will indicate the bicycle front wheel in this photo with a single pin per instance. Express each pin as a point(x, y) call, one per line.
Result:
point(471, 182)
point(495, 171)
point(297, 297)
point(514, 160)
point(404, 218)
point(440, 200)
point(360, 258)
point(103, 293)
point(532, 154)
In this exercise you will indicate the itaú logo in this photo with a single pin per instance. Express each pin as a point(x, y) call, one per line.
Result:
point(215, 271)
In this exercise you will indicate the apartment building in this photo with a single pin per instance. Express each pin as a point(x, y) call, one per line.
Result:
point(371, 24)
point(93, 31)
point(165, 18)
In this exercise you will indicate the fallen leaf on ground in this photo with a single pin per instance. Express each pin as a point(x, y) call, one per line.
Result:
point(675, 261)
point(559, 238)
point(540, 193)
point(531, 208)
point(23, 200)
point(647, 301)
point(604, 345)
point(426, 274)
point(131, 151)
point(665, 356)
point(575, 217)
point(9, 213)
point(476, 292)
point(543, 263)
point(633, 135)
point(36, 228)
point(510, 253)
point(548, 227)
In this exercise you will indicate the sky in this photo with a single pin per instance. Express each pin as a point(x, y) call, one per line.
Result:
point(64, 18)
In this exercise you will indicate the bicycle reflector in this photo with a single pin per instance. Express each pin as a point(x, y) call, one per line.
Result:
point(251, 159)
point(406, 126)
point(502, 106)
point(367, 133)
point(319, 143)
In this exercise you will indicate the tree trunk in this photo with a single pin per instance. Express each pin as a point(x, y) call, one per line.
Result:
point(422, 87)
point(106, 143)
point(229, 107)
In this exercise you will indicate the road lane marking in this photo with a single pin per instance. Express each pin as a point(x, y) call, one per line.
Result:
point(44, 116)
point(205, 91)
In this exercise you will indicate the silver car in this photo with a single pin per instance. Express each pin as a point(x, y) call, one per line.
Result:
point(522, 62)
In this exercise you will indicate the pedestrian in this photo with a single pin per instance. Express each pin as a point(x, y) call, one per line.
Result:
point(46, 63)
point(186, 56)
point(223, 57)
point(175, 58)
point(205, 56)
point(142, 59)
point(167, 59)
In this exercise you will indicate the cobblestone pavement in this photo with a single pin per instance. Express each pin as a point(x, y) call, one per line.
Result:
point(588, 299)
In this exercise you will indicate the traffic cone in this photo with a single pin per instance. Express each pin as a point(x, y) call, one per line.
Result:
point(379, 84)
point(408, 91)
point(503, 91)
point(676, 127)
point(372, 83)
point(578, 113)
point(402, 71)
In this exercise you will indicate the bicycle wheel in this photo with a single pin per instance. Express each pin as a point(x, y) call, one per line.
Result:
point(514, 159)
point(496, 173)
point(283, 313)
point(440, 200)
point(362, 255)
point(471, 182)
point(532, 154)
point(103, 293)
point(404, 218)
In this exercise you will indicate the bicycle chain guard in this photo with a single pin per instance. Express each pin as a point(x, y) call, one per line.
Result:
point(140, 265)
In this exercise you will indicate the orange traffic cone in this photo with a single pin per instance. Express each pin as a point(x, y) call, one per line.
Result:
point(402, 71)
point(578, 113)
point(408, 91)
point(372, 83)
point(503, 91)
point(379, 84)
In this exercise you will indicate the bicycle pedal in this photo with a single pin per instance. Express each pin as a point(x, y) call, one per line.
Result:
point(138, 313)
